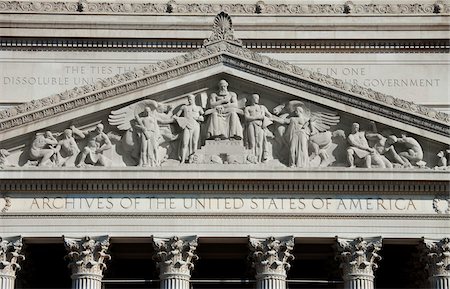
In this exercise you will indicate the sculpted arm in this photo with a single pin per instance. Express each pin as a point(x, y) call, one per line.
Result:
point(214, 102)
point(352, 141)
point(79, 133)
point(106, 145)
point(200, 114)
point(50, 139)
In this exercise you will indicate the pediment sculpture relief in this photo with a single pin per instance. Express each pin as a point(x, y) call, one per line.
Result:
point(227, 129)
point(224, 124)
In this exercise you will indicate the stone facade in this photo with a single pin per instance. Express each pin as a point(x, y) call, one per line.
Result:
point(224, 139)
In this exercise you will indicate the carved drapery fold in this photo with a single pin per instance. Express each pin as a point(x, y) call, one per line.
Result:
point(87, 257)
point(437, 258)
point(10, 258)
point(270, 257)
point(359, 259)
point(175, 259)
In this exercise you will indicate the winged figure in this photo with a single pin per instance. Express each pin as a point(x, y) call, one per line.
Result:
point(146, 132)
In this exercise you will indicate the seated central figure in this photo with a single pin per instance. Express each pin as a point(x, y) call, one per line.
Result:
point(224, 122)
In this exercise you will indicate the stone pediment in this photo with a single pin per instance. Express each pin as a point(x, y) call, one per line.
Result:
point(303, 119)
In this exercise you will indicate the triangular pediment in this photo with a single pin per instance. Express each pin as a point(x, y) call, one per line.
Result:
point(278, 83)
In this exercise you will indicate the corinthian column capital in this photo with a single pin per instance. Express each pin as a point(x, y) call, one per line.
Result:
point(87, 255)
point(175, 256)
point(10, 256)
point(359, 257)
point(437, 257)
point(271, 256)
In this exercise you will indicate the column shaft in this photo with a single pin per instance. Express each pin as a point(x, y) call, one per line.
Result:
point(7, 282)
point(175, 283)
point(440, 282)
point(271, 283)
point(359, 284)
point(86, 282)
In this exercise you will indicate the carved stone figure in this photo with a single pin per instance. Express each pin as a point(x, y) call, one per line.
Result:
point(443, 157)
point(414, 154)
point(149, 135)
point(4, 163)
point(359, 148)
point(298, 135)
point(385, 148)
point(224, 122)
point(189, 118)
point(258, 119)
point(43, 149)
point(315, 127)
point(67, 149)
point(144, 135)
point(442, 162)
point(97, 143)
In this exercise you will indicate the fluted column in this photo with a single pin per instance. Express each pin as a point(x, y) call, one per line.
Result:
point(174, 258)
point(359, 259)
point(270, 257)
point(87, 260)
point(9, 260)
point(437, 258)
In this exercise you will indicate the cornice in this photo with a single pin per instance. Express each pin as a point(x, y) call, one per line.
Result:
point(237, 57)
point(343, 8)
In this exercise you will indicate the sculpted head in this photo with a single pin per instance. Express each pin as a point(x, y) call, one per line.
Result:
point(99, 128)
point(68, 133)
point(148, 110)
point(355, 127)
point(191, 99)
point(299, 110)
point(223, 85)
point(254, 99)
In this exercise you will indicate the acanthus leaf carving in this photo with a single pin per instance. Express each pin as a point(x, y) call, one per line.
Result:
point(271, 256)
point(359, 256)
point(436, 254)
point(87, 255)
point(10, 256)
point(175, 256)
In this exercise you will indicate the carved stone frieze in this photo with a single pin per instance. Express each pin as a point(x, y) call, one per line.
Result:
point(358, 257)
point(271, 257)
point(175, 256)
point(87, 256)
point(260, 7)
point(10, 257)
point(436, 254)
